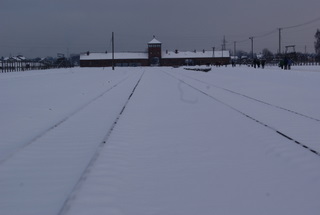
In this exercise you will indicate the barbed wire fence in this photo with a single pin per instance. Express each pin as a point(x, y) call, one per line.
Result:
point(15, 64)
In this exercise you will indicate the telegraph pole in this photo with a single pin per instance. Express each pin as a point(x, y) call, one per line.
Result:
point(224, 43)
point(280, 40)
point(305, 49)
point(234, 47)
point(222, 50)
point(112, 50)
point(251, 38)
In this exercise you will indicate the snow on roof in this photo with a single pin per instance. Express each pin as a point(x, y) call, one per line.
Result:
point(119, 55)
point(154, 41)
point(15, 58)
point(144, 55)
point(198, 54)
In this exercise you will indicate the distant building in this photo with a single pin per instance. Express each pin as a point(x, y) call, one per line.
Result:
point(155, 57)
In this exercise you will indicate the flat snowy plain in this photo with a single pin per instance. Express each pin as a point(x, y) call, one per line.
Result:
point(160, 141)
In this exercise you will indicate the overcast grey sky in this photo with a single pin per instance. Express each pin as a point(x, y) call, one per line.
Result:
point(47, 27)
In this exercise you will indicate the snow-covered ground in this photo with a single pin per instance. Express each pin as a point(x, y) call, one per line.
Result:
point(146, 141)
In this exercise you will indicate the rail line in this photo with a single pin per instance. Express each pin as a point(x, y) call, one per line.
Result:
point(254, 99)
point(67, 203)
point(282, 134)
point(61, 121)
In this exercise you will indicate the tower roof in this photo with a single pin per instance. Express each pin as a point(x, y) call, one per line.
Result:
point(154, 41)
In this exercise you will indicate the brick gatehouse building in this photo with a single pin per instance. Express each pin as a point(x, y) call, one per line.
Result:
point(155, 57)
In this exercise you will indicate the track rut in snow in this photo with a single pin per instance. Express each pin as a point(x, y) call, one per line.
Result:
point(248, 115)
point(61, 121)
point(67, 203)
point(255, 99)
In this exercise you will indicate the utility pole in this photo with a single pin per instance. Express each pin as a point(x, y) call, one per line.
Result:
point(305, 49)
point(223, 44)
point(234, 48)
point(112, 50)
point(222, 50)
point(251, 38)
point(280, 40)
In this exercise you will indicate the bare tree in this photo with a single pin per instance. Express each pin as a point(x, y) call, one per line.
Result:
point(267, 54)
point(317, 42)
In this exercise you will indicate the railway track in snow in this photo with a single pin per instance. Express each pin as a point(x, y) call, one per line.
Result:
point(250, 116)
point(254, 99)
point(63, 120)
point(66, 150)
point(67, 203)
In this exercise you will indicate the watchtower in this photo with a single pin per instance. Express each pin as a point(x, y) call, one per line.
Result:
point(154, 52)
point(291, 55)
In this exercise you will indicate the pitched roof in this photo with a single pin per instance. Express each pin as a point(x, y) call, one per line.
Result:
point(144, 55)
point(154, 41)
point(199, 54)
point(119, 55)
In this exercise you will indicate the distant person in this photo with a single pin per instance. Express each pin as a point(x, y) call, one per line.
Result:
point(263, 63)
point(285, 63)
point(281, 64)
point(254, 63)
point(289, 64)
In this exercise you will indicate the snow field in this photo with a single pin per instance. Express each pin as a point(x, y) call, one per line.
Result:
point(184, 153)
point(296, 125)
point(38, 178)
point(179, 147)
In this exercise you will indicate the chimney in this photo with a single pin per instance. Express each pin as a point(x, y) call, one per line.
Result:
point(203, 51)
point(176, 51)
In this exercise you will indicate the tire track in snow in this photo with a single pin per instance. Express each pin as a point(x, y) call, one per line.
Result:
point(248, 116)
point(54, 126)
point(254, 99)
point(72, 195)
